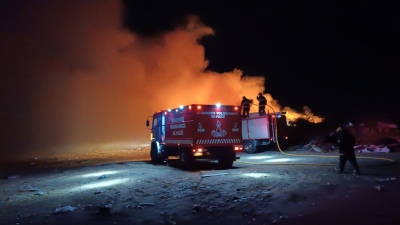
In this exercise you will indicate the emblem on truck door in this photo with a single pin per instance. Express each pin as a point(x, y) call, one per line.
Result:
point(235, 128)
point(200, 128)
point(218, 132)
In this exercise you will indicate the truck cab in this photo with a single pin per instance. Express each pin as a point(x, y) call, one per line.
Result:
point(196, 131)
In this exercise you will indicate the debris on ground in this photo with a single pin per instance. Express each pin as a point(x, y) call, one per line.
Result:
point(64, 209)
point(371, 149)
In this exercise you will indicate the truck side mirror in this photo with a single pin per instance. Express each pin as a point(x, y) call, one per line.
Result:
point(147, 123)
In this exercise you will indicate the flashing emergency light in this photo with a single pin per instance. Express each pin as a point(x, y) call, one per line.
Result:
point(181, 107)
point(169, 110)
point(199, 107)
point(236, 108)
point(190, 107)
point(176, 110)
point(218, 105)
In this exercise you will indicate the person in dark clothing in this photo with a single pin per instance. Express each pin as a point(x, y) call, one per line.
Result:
point(245, 106)
point(262, 102)
point(346, 143)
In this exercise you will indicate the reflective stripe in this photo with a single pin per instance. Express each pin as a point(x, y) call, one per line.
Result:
point(179, 142)
point(219, 141)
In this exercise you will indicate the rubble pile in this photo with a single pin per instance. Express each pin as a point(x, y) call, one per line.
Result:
point(321, 144)
point(371, 138)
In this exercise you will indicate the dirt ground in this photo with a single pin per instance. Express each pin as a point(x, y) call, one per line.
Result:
point(123, 187)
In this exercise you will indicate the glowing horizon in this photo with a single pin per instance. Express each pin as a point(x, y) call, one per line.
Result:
point(91, 83)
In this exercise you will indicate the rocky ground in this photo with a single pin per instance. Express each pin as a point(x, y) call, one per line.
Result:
point(270, 187)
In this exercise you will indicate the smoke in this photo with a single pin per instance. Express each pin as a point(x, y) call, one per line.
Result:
point(73, 79)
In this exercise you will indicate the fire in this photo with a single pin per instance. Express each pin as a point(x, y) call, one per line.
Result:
point(94, 86)
point(273, 105)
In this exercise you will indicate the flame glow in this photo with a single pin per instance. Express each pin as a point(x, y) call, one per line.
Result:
point(82, 82)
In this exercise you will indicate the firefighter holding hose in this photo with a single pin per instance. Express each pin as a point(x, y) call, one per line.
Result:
point(346, 142)
point(246, 106)
point(262, 102)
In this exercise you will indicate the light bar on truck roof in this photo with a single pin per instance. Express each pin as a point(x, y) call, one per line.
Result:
point(218, 105)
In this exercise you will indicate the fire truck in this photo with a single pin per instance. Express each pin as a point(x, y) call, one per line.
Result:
point(264, 130)
point(197, 132)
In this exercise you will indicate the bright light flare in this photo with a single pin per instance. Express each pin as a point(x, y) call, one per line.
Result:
point(261, 157)
point(218, 105)
point(238, 148)
point(198, 150)
point(101, 184)
point(281, 160)
point(100, 174)
point(256, 175)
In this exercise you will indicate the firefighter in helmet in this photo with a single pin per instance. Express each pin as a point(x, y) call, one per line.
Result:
point(245, 106)
point(346, 142)
point(262, 102)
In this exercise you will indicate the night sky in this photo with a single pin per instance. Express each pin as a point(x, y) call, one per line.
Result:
point(338, 57)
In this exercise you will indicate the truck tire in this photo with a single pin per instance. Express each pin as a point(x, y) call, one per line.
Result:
point(225, 163)
point(250, 146)
point(186, 159)
point(156, 154)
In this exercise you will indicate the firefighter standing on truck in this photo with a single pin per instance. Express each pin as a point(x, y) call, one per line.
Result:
point(262, 102)
point(245, 106)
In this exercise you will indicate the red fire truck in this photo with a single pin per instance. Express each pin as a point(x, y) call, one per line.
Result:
point(197, 132)
point(264, 130)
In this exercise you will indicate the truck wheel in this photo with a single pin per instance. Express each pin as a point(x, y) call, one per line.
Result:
point(157, 156)
point(225, 163)
point(250, 146)
point(185, 157)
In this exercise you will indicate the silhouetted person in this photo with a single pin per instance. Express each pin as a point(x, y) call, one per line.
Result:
point(245, 106)
point(262, 102)
point(346, 143)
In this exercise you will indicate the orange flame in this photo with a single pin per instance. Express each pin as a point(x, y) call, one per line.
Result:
point(94, 86)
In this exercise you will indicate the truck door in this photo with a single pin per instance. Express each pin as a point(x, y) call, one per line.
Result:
point(159, 127)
